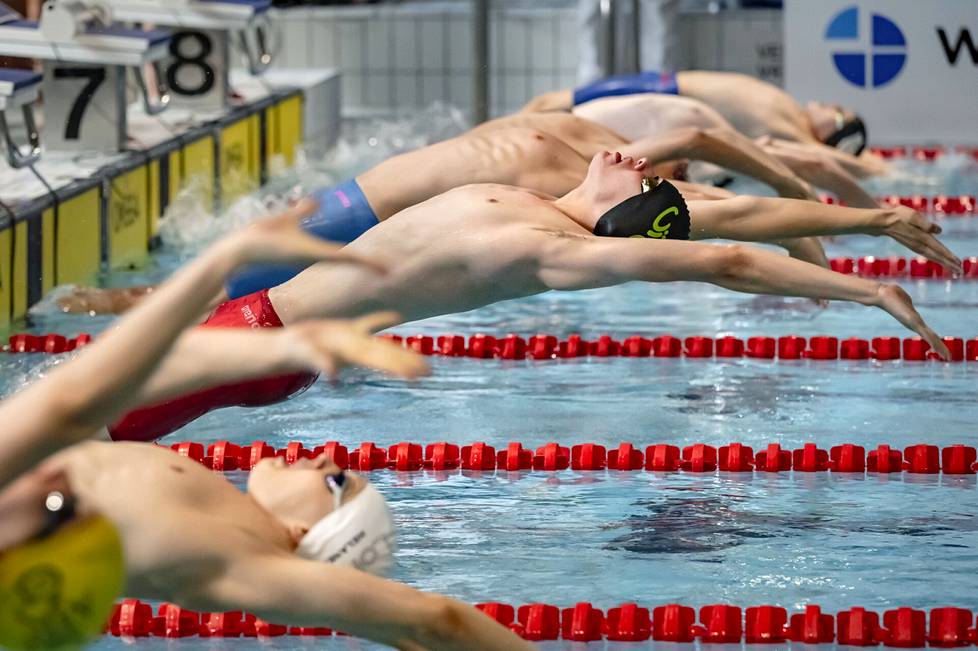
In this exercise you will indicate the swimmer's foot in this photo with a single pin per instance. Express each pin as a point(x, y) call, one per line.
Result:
point(92, 301)
point(897, 302)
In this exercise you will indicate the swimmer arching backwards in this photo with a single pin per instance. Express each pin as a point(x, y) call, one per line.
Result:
point(85, 522)
point(551, 153)
point(480, 244)
point(755, 108)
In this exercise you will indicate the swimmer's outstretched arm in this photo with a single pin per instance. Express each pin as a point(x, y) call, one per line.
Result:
point(763, 219)
point(721, 146)
point(818, 166)
point(81, 396)
point(586, 262)
point(205, 358)
point(289, 590)
point(864, 165)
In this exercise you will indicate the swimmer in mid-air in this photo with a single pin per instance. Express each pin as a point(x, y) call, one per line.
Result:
point(481, 244)
point(548, 153)
point(105, 520)
point(817, 132)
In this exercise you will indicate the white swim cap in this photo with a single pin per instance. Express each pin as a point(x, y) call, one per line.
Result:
point(359, 533)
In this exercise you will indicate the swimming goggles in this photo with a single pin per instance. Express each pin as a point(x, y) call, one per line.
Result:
point(336, 482)
point(649, 184)
point(840, 120)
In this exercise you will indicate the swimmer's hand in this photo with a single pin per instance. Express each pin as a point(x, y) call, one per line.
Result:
point(911, 229)
point(281, 239)
point(331, 346)
point(897, 302)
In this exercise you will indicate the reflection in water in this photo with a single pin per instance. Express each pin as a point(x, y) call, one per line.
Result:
point(710, 521)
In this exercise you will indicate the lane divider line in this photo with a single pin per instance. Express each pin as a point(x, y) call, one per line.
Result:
point(546, 347)
point(926, 153)
point(922, 458)
point(628, 622)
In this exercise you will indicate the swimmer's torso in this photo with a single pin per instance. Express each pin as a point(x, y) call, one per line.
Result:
point(648, 114)
point(513, 156)
point(753, 107)
point(586, 137)
point(155, 498)
point(468, 247)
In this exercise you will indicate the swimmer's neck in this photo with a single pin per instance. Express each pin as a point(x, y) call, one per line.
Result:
point(280, 536)
point(579, 207)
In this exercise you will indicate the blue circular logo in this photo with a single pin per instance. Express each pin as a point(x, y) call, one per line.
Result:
point(866, 62)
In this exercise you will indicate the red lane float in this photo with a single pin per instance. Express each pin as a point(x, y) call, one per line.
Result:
point(554, 457)
point(937, 205)
point(547, 347)
point(51, 344)
point(918, 268)
point(629, 622)
point(790, 347)
point(926, 153)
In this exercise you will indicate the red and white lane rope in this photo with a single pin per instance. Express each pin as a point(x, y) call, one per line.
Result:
point(698, 458)
point(544, 347)
point(939, 205)
point(926, 153)
point(629, 622)
point(918, 268)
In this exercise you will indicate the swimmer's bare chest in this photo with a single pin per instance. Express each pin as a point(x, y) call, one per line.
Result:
point(177, 519)
point(468, 247)
point(585, 136)
point(509, 156)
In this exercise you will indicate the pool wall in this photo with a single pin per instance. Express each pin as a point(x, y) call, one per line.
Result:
point(110, 219)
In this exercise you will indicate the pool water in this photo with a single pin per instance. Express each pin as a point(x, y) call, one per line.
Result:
point(605, 537)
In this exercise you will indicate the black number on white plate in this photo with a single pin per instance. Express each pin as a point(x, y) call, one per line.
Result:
point(95, 77)
point(190, 50)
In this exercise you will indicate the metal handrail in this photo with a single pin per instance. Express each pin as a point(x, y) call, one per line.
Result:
point(15, 157)
point(162, 102)
point(259, 57)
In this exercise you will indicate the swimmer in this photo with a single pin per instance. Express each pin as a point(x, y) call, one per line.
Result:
point(548, 153)
point(143, 358)
point(789, 168)
point(708, 99)
point(301, 547)
point(482, 244)
point(85, 521)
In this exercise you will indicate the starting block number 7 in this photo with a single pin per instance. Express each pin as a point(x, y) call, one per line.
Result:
point(85, 107)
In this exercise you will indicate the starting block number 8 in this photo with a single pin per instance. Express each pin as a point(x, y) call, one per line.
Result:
point(197, 69)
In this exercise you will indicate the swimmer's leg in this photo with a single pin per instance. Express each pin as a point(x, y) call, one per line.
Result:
point(150, 423)
point(344, 215)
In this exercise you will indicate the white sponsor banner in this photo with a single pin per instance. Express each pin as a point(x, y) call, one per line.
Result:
point(909, 67)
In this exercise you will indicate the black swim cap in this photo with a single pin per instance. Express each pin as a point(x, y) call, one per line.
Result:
point(659, 213)
point(850, 137)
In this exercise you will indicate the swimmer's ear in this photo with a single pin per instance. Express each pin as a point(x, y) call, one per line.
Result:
point(297, 532)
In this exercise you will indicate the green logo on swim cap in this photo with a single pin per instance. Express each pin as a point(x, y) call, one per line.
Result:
point(660, 231)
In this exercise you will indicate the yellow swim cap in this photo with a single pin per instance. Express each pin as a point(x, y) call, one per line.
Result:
point(58, 592)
